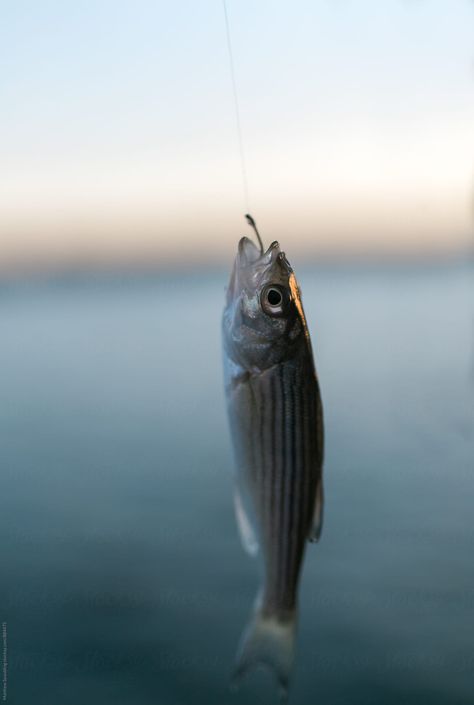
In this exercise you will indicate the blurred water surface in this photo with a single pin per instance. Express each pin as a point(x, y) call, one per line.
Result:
point(122, 577)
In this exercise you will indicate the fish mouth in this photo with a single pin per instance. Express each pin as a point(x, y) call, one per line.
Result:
point(249, 257)
point(249, 253)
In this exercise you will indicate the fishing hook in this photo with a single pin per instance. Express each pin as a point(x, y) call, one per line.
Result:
point(253, 225)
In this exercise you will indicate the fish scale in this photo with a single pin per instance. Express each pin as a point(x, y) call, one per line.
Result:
point(282, 471)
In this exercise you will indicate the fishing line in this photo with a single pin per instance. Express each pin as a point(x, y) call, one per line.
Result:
point(237, 111)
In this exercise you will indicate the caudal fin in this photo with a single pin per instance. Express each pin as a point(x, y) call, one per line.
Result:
point(268, 641)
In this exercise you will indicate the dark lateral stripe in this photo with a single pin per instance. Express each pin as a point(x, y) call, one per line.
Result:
point(306, 500)
point(292, 482)
point(275, 462)
point(265, 477)
point(272, 459)
point(308, 443)
point(262, 471)
point(293, 471)
point(283, 529)
point(265, 484)
point(281, 466)
point(297, 508)
point(302, 462)
point(312, 464)
point(293, 487)
point(272, 491)
point(259, 431)
point(304, 472)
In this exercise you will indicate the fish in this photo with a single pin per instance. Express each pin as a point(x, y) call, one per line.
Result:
point(276, 424)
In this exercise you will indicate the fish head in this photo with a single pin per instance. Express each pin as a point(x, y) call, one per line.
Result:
point(263, 320)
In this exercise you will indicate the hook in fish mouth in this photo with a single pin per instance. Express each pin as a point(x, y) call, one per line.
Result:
point(250, 256)
point(248, 249)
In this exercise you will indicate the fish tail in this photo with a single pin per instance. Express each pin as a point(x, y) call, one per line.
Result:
point(268, 641)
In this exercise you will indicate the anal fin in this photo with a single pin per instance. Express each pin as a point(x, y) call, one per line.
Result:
point(317, 523)
point(247, 533)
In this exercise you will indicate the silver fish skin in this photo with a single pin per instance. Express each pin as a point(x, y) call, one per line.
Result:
point(276, 422)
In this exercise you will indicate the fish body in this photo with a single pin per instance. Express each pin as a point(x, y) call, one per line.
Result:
point(276, 422)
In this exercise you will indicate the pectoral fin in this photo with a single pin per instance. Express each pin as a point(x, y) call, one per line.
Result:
point(247, 533)
point(317, 524)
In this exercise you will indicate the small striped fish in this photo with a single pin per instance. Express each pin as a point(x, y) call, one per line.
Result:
point(276, 423)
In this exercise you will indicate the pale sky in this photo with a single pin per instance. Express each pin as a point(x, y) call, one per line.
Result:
point(118, 138)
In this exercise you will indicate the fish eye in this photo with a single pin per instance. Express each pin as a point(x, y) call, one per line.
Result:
point(274, 299)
